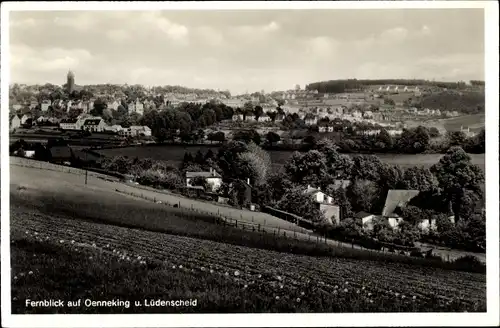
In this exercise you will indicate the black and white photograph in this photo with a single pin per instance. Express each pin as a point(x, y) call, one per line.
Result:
point(193, 160)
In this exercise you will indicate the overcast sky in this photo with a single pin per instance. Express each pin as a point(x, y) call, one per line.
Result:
point(246, 50)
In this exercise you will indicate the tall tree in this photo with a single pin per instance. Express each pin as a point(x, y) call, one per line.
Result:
point(456, 175)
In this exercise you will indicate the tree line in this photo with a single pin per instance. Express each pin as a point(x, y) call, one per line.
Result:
point(341, 86)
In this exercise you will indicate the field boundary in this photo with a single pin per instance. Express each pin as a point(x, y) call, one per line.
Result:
point(228, 221)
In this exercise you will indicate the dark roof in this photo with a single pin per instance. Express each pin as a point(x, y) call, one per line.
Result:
point(212, 174)
point(61, 152)
point(397, 198)
point(92, 121)
point(362, 214)
point(68, 120)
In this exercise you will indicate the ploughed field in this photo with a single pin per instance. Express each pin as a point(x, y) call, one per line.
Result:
point(303, 283)
point(175, 155)
point(70, 252)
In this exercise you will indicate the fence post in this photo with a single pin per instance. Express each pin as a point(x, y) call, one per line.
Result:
point(236, 223)
point(284, 234)
point(258, 228)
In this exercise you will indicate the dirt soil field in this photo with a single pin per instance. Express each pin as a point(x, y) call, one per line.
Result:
point(254, 274)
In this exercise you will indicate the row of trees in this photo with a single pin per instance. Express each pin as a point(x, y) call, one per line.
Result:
point(186, 120)
point(411, 141)
point(340, 86)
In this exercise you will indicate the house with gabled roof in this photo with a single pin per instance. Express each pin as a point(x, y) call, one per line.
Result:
point(15, 122)
point(311, 119)
point(397, 198)
point(95, 124)
point(325, 204)
point(213, 178)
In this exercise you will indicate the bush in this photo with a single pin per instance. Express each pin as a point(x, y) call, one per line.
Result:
point(469, 260)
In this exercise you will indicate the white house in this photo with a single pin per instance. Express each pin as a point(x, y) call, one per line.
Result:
point(325, 204)
point(113, 104)
point(367, 220)
point(68, 105)
point(45, 106)
point(25, 118)
point(95, 124)
point(135, 131)
point(15, 122)
point(237, 117)
point(357, 114)
point(264, 118)
point(250, 118)
point(114, 128)
point(131, 107)
point(68, 124)
point(139, 107)
point(213, 178)
point(311, 120)
point(368, 114)
point(318, 195)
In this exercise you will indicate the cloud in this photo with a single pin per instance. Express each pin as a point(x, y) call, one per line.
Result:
point(210, 36)
point(118, 35)
point(78, 21)
point(47, 60)
point(425, 30)
point(394, 34)
point(22, 23)
point(321, 46)
point(175, 32)
point(273, 26)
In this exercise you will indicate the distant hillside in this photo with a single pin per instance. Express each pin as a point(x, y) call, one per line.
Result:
point(339, 86)
point(465, 102)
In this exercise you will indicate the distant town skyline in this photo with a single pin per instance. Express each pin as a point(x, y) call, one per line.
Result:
point(246, 50)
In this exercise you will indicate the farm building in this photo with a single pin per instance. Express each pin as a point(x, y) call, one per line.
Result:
point(213, 178)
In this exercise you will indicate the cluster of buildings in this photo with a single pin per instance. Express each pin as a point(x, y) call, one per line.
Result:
point(83, 122)
point(395, 199)
point(97, 124)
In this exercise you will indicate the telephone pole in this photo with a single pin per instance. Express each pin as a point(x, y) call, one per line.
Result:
point(86, 171)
